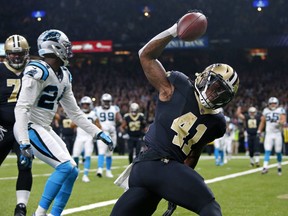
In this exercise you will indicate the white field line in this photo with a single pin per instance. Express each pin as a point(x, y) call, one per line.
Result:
point(111, 202)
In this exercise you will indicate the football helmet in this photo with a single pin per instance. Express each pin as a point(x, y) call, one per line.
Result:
point(17, 51)
point(55, 42)
point(134, 108)
point(252, 112)
point(273, 103)
point(216, 85)
point(106, 100)
point(86, 104)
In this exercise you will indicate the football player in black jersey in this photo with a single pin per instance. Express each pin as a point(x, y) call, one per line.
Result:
point(134, 123)
point(17, 54)
point(251, 123)
point(186, 119)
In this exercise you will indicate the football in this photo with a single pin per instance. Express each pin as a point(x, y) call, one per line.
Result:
point(191, 26)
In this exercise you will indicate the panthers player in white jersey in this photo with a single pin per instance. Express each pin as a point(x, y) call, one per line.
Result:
point(273, 119)
point(84, 141)
point(108, 115)
point(45, 84)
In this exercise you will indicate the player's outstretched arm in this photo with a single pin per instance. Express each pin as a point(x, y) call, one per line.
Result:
point(153, 69)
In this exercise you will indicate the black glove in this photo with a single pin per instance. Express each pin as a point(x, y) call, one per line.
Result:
point(170, 210)
point(2, 130)
point(26, 156)
point(106, 139)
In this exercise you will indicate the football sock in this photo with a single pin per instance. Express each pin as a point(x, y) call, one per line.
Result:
point(76, 159)
point(87, 165)
point(40, 211)
point(267, 156)
point(279, 157)
point(216, 154)
point(108, 163)
point(257, 159)
point(22, 196)
point(100, 161)
point(63, 195)
point(54, 183)
point(221, 153)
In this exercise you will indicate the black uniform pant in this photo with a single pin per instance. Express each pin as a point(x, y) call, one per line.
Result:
point(24, 180)
point(133, 143)
point(150, 181)
point(254, 145)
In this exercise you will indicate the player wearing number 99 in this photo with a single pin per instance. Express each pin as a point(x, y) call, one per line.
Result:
point(108, 116)
point(45, 84)
point(17, 55)
point(186, 119)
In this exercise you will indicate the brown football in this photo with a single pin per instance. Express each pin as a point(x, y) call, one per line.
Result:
point(191, 26)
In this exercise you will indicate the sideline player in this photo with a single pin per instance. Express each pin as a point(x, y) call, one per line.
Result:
point(251, 124)
point(134, 124)
point(108, 115)
point(84, 141)
point(17, 55)
point(273, 119)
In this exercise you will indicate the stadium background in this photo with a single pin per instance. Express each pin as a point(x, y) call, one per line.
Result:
point(108, 33)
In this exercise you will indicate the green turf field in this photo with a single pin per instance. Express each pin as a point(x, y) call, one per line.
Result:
point(239, 193)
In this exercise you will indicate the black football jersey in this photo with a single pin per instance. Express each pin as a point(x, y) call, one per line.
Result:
point(251, 124)
point(65, 126)
point(10, 85)
point(135, 124)
point(181, 124)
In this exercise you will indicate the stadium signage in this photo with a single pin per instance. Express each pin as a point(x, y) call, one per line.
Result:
point(180, 44)
point(2, 51)
point(92, 46)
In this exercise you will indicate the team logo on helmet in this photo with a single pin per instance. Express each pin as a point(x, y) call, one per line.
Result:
point(52, 36)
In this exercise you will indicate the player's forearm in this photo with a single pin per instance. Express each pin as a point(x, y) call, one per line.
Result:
point(21, 124)
point(74, 112)
point(156, 45)
point(193, 158)
point(261, 126)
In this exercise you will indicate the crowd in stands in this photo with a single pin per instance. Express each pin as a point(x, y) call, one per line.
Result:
point(124, 79)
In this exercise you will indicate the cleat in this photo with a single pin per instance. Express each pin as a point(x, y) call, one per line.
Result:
point(251, 164)
point(264, 171)
point(109, 174)
point(20, 210)
point(85, 178)
point(99, 172)
point(257, 165)
point(279, 171)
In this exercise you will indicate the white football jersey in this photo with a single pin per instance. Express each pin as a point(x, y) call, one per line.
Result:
point(107, 117)
point(272, 119)
point(91, 116)
point(38, 100)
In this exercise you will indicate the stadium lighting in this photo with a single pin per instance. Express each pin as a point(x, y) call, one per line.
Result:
point(38, 15)
point(146, 11)
point(259, 4)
